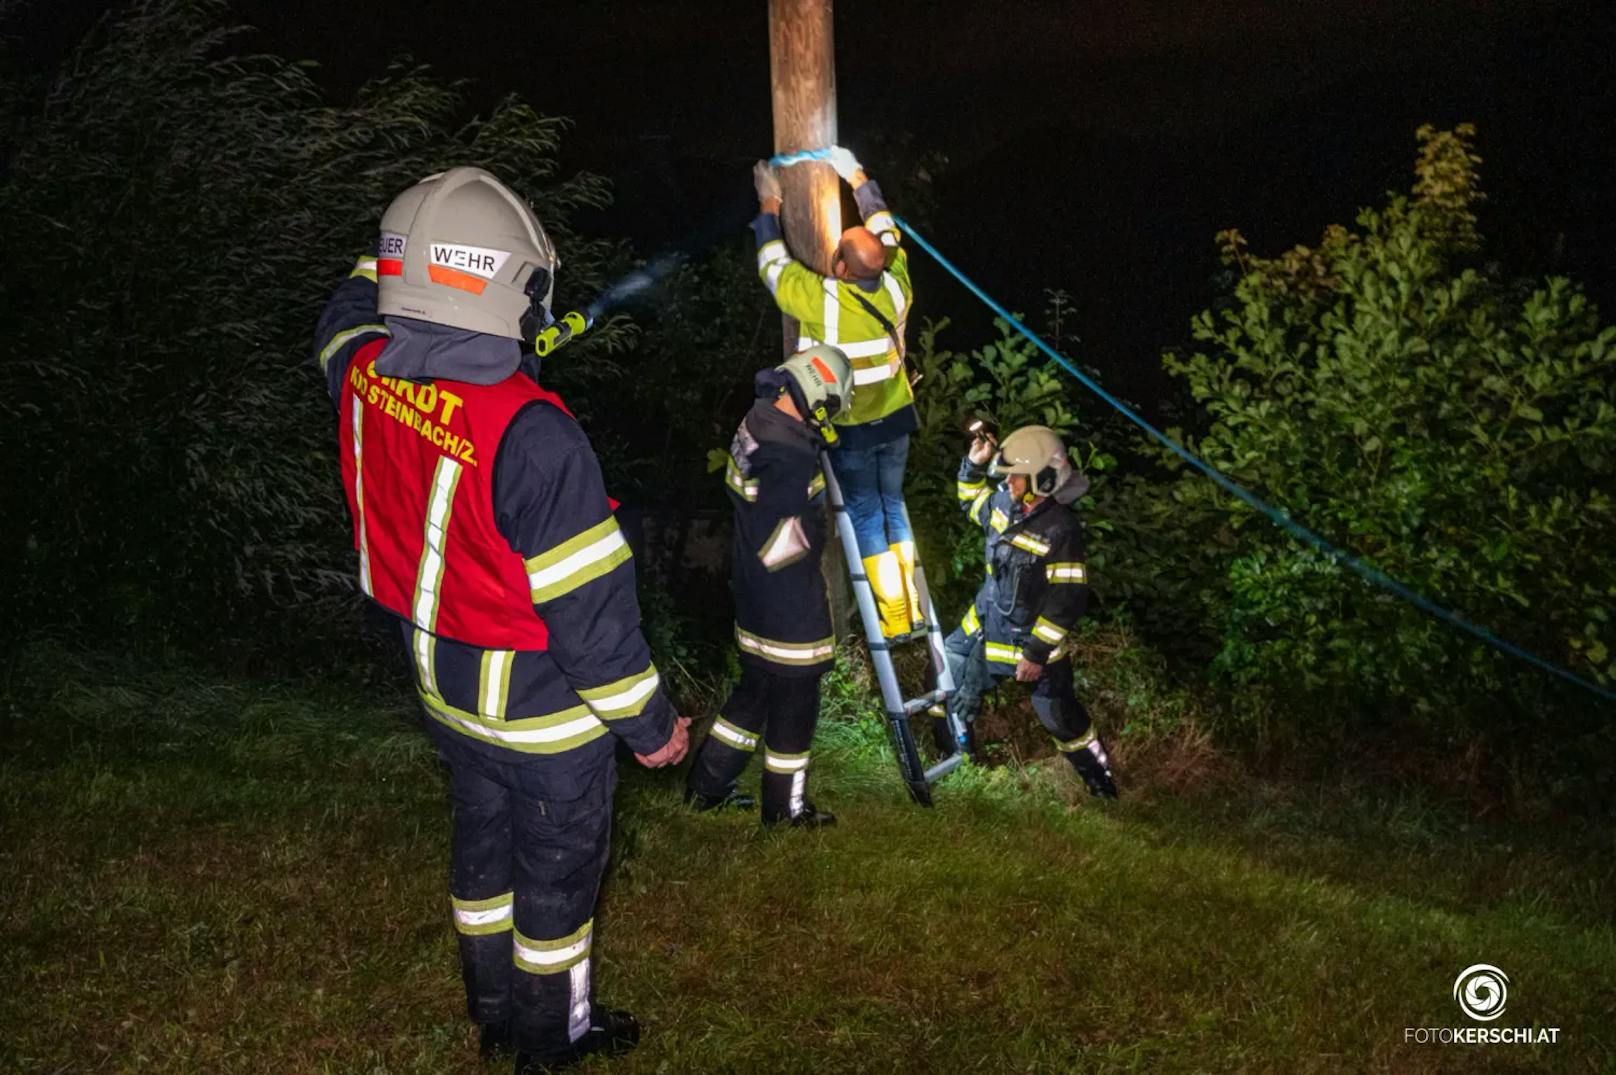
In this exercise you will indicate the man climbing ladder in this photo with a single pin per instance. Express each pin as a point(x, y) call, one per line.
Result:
point(861, 309)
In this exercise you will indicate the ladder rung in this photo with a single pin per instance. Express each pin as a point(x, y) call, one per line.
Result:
point(925, 701)
point(944, 767)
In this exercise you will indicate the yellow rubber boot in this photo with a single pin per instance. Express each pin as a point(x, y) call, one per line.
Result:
point(885, 573)
point(905, 551)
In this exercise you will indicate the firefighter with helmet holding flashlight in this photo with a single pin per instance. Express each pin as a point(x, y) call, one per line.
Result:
point(1034, 593)
point(782, 618)
point(483, 527)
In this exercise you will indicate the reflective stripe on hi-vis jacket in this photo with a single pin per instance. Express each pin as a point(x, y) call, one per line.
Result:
point(417, 467)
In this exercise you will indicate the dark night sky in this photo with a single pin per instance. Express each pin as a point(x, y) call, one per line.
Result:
point(1090, 146)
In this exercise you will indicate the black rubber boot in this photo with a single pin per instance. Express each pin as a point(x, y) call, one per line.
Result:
point(494, 1040)
point(733, 799)
point(809, 817)
point(610, 1032)
point(1093, 764)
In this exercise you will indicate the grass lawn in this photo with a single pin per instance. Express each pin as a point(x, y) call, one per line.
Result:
point(215, 876)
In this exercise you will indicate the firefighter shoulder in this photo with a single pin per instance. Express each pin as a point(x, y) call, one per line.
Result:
point(1036, 585)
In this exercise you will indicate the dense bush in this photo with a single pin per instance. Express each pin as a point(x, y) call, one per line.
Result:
point(1454, 427)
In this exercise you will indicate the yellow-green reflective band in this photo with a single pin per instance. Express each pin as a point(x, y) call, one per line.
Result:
point(494, 681)
point(817, 485)
point(1001, 653)
point(968, 490)
point(980, 501)
point(478, 918)
point(426, 648)
point(1048, 631)
point(785, 763)
point(359, 495)
point(793, 653)
point(429, 574)
point(1065, 572)
point(553, 733)
point(341, 340)
point(1031, 544)
point(785, 545)
point(999, 520)
point(576, 561)
point(745, 488)
point(734, 736)
point(550, 957)
point(365, 267)
point(625, 697)
point(1072, 746)
point(970, 624)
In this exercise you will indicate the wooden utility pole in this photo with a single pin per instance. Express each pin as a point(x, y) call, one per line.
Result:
point(802, 83)
point(802, 77)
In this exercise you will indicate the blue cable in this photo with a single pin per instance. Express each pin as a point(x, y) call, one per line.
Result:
point(1366, 571)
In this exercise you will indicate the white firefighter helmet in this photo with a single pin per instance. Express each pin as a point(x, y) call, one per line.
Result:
point(1038, 453)
point(824, 379)
point(460, 249)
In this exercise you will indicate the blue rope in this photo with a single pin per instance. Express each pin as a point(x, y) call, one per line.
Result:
point(1366, 571)
point(781, 160)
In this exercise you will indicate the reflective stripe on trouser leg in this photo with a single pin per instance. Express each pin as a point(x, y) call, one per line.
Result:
point(561, 851)
point(734, 736)
point(480, 877)
point(788, 734)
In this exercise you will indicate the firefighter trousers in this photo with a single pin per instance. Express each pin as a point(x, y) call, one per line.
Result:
point(524, 873)
point(1054, 698)
point(779, 711)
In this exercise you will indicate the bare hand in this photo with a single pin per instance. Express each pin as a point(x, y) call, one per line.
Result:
point(673, 751)
point(1028, 671)
point(982, 448)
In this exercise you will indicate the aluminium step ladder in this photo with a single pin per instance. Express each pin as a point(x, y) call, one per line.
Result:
point(898, 708)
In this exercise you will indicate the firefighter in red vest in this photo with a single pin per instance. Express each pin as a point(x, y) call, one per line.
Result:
point(482, 524)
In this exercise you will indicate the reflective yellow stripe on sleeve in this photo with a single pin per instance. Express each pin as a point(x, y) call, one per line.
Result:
point(623, 698)
point(576, 561)
point(346, 336)
point(1048, 631)
point(1002, 653)
point(1065, 572)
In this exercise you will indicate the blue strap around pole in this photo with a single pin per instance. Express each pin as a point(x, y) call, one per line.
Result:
point(1364, 570)
point(781, 160)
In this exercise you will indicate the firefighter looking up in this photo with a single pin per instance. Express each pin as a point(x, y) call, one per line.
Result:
point(861, 309)
point(1033, 595)
point(482, 525)
point(782, 619)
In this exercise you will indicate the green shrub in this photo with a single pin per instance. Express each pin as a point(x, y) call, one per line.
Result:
point(1453, 427)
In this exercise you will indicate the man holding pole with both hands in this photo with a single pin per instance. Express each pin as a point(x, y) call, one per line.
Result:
point(861, 309)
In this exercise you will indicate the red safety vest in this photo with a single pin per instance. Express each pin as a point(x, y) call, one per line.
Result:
point(418, 469)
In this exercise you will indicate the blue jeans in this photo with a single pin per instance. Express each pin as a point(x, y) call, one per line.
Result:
point(872, 489)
